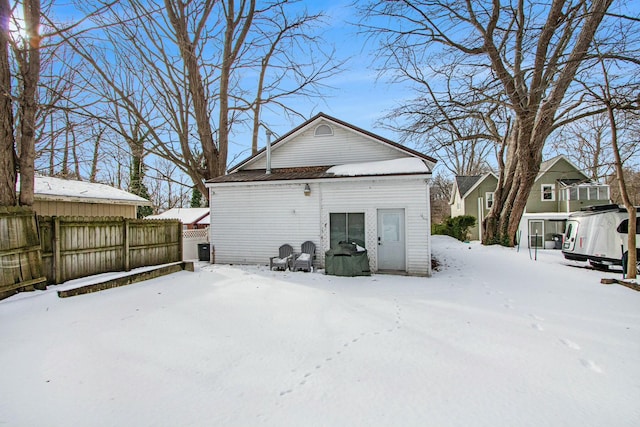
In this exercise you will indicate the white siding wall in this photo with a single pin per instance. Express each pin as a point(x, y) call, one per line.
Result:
point(249, 223)
point(457, 200)
point(344, 146)
point(369, 196)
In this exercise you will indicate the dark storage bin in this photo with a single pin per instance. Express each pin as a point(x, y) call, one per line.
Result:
point(345, 260)
point(204, 251)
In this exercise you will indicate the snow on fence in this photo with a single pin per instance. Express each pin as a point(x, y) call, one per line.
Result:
point(74, 247)
point(190, 241)
point(20, 261)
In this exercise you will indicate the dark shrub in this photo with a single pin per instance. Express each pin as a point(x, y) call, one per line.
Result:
point(457, 227)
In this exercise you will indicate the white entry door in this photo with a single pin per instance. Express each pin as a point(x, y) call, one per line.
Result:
point(391, 240)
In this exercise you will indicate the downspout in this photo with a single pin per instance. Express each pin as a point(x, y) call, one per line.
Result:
point(268, 132)
point(480, 218)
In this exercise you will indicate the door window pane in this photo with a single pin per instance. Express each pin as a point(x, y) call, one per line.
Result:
point(390, 228)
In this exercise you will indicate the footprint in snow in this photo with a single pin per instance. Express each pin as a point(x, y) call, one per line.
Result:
point(570, 344)
point(537, 326)
point(590, 364)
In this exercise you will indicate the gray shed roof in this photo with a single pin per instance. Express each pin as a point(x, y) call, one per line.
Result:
point(465, 183)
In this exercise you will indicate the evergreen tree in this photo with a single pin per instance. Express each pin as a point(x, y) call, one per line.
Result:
point(196, 198)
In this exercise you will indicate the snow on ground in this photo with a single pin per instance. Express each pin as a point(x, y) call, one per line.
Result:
point(493, 339)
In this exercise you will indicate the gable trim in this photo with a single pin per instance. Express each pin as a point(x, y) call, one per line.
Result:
point(556, 160)
point(297, 130)
point(478, 183)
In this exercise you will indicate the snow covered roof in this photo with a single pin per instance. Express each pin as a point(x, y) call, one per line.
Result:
point(68, 190)
point(396, 167)
point(185, 215)
point(385, 167)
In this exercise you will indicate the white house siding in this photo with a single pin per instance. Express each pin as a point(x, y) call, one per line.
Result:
point(249, 222)
point(410, 194)
point(457, 208)
point(344, 146)
point(253, 220)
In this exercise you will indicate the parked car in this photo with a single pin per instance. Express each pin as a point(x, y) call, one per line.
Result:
point(599, 234)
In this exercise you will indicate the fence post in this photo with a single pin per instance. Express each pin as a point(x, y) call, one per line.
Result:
point(127, 261)
point(57, 259)
point(181, 240)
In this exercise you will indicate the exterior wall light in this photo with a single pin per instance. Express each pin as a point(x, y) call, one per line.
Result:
point(307, 190)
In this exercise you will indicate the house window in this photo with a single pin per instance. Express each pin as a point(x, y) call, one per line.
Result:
point(548, 192)
point(346, 227)
point(323, 130)
point(489, 199)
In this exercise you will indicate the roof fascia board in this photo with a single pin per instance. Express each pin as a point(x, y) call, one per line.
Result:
point(404, 177)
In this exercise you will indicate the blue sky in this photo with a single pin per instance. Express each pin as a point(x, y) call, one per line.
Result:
point(357, 96)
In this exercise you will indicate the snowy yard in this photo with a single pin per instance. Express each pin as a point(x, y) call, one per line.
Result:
point(493, 339)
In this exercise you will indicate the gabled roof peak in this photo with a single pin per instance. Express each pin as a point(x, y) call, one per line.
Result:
point(323, 116)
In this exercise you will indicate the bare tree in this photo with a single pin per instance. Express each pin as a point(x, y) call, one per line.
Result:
point(614, 98)
point(285, 68)
point(441, 187)
point(19, 136)
point(7, 140)
point(179, 68)
point(519, 55)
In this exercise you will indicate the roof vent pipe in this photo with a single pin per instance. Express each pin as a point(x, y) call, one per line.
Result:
point(268, 132)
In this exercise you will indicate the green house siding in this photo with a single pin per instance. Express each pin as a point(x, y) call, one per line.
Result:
point(471, 203)
point(560, 170)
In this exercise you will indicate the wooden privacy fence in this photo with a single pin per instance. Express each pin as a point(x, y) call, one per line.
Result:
point(20, 261)
point(74, 247)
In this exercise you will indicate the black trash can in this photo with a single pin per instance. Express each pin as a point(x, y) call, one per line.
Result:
point(557, 238)
point(204, 251)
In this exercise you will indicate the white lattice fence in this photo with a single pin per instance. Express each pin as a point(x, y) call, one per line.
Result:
point(190, 240)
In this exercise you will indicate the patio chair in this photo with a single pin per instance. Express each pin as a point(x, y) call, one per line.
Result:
point(304, 261)
point(283, 260)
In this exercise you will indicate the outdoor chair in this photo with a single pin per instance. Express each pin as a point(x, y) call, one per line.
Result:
point(283, 260)
point(304, 261)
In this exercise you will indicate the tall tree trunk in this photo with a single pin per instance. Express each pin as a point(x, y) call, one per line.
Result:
point(29, 102)
point(232, 45)
point(7, 141)
point(187, 46)
point(534, 114)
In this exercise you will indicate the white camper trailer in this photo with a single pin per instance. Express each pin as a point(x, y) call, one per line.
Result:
point(598, 234)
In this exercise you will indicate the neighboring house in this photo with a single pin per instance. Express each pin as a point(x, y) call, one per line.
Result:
point(326, 181)
point(559, 188)
point(562, 187)
point(191, 218)
point(473, 195)
point(66, 197)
